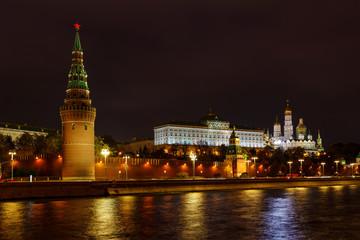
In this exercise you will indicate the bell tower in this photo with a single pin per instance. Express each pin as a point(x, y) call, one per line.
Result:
point(288, 127)
point(78, 121)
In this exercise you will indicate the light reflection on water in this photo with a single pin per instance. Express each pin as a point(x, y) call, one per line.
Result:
point(292, 213)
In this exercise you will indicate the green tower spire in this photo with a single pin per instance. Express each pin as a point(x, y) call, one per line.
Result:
point(77, 75)
point(77, 44)
point(319, 146)
point(234, 144)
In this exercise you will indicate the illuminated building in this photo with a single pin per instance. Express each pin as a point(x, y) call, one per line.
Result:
point(16, 130)
point(209, 131)
point(78, 121)
point(303, 136)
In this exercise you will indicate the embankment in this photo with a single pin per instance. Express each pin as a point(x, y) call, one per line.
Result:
point(26, 190)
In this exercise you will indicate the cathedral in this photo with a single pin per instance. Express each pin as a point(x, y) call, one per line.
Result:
point(302, 138)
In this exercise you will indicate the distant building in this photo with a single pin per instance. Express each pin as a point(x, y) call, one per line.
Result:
point(303, 137)
point(16, 130)
point(209, 131)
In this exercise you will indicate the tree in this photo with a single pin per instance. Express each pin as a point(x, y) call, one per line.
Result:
point(40, 145)
point(53, 143)
point(112, 144)
point(25, 144)
point(6, 145)
point(145, 152)
point(99, 145)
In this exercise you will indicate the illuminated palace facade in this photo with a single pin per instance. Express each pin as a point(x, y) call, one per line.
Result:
point(209, 131)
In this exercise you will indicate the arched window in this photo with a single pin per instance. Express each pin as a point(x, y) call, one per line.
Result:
point(85, 126)
point(73, 126)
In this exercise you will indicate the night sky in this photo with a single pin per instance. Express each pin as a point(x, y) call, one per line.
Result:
point(150, 62)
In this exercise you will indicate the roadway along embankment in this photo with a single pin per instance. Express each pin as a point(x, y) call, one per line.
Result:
point(26, 190)
point(149, 187)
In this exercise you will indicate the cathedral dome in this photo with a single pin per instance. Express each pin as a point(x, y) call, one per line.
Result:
point(209, 117)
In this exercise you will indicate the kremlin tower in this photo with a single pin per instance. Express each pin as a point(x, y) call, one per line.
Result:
point(78, 121)
point(288, 127)
point(235, 156)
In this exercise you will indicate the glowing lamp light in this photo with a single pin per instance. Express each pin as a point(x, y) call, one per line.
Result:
point(105, 152)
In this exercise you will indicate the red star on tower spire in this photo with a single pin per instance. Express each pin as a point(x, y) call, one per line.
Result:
point(77, 26)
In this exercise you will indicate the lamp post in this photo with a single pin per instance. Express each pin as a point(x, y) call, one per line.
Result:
point(254, 158)
point(301, 161)
point(193, 158)
point(248, 163)
point(105, 152)
point(352, 169)
point(12, 164)
point(289, 162)
point(337, 162)
point(119, 175)
point(126, 167)
point(323, 165)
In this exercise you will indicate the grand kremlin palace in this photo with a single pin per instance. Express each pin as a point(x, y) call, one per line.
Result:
point(210, 131)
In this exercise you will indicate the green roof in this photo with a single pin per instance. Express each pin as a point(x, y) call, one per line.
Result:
point(77, 75)
point(233, 134)
point(234, 150)
point(77, 44)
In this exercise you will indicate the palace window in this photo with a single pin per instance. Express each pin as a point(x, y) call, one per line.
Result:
point(85, 126)
point(73, 126)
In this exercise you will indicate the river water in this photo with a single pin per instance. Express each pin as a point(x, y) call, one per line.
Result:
point(289, 213)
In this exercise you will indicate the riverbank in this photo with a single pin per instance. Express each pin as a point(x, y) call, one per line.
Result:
point(58, 189)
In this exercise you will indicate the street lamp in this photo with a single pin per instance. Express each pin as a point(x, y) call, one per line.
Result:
point(105, 152)
point(126, 166)
point(193, 158)
point(254, 158)
point(301, 161)
point(289, 162)
point(323, 165)
point(12, 164)
point(119, 175)
point(352, 169)
point(337, 162)
point(248, 162)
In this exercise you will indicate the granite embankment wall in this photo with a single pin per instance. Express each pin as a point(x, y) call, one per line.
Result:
point(22, 190)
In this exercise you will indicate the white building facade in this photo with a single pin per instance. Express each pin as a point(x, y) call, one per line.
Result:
point(16, 130)
point(209, 131)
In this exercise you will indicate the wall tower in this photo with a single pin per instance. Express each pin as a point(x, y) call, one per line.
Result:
point(319, 145)
point(235, 156)
point(288, 127)
point(78, 121)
